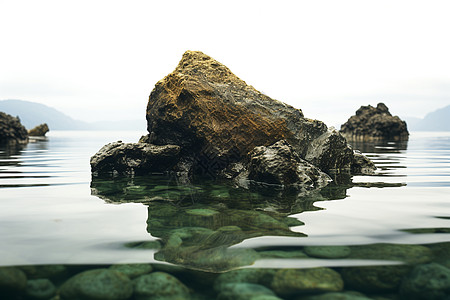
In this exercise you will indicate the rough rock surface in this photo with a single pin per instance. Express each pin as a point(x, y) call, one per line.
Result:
point(429, 281)
point(374, 123)
point(11, 130)
point(39, 130)
point(134, 158)
point(217, 120)
point(280, 164)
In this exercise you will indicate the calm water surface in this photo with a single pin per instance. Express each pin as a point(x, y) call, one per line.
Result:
point(53, 213)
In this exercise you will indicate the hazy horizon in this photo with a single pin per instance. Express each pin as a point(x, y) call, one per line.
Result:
point(100, 60)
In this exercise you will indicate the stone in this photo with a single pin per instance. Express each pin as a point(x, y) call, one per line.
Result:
point(243, 291)
point(159, 286)
point(132, 270)
point(289, 282)
point(251, 275)
point(280, 164)
point(411, 254)
point(330, 252)
point(12, 132)
point(12, 280)
point(97, 284)
point(39, 130)
point(350, 295)
point(428, 281)
point(361, 164)
point(40, 289)
point(134, 158)
point(374, 278)
point(373, 124)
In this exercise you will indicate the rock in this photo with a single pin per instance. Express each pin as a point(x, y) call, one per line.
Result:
point(411, 254)
point(159, 286)
point(288, 282)
point(256, 276)
point(39, 130)
point(337, 296)
point(429, 281)
point(374, 123)
point(12, 132)
point(12, 280)
point(97, 284)
point(132, 270)
point(374, 278)
point(216, 119)
point(330, 252)
point(361, 164)
point(243, 291)
point(279, 164)
point(40, 289)
point(134, 158)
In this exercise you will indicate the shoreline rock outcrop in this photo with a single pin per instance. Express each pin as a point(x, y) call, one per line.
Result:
point(39, 130)
point(12, 132)
point(374, 123)
point(218, 122)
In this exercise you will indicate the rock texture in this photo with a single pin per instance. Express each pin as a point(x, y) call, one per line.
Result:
point(39, 130)
point(220, 124)
point(374, 123)
point(11, 130)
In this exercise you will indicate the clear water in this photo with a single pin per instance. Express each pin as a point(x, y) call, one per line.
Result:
point(53, 213)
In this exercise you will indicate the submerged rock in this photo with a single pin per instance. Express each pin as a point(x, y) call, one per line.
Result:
point(159, 285)
point(374, 123)
point(429, 281)
point(217, 120)
point(12, 132)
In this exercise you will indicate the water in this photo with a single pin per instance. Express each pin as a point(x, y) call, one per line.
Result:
point(367, 232)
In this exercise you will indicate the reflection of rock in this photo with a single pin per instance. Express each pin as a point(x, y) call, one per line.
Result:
point(39, 130)
point(134, 158)
point(217, 120)
point(374, 123)
point(12, 132)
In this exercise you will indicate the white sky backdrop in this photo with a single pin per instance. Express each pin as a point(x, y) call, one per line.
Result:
point(99, 60)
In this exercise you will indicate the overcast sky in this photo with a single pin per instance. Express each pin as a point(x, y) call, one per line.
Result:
point(99, 60)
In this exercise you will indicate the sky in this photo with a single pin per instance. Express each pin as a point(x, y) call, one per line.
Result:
point(99, 60)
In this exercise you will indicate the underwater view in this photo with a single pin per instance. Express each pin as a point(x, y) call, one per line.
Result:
point(67, 235)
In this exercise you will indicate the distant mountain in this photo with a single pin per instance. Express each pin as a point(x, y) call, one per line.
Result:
point(32, 114)
point(438, 120)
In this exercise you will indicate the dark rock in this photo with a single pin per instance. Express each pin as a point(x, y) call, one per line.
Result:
point(134, 158)
point(12, 280)
point(374, 123)
point(216, 119)
point(39, 130)
point(159, 285)
point(98, 284)
point(40, 289)
point(429, 281)
point(280, 164)
point(12, 132)
point(244, 291)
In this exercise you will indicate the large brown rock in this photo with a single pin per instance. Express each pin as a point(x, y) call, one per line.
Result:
point(374, 123)
point(39, 130)
point(12, 132)
point(217, 118)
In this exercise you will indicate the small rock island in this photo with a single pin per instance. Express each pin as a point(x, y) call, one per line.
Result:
point(202, 120)
point(39, 130)
point(374, 123)
point(12, 132)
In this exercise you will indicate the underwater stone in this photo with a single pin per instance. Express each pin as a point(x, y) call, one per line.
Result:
point(256, 276)
point(282, 254)
point(53, 272)
point(374, 278)
point(427, 282)
point(288, 282)
point(243, 291)
point(132, 270)
point(327, 251)
point(159, 286)
point(12, 280)
point(40, 289)
point(97, 284)
point(412, 254)
point(337, 296)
